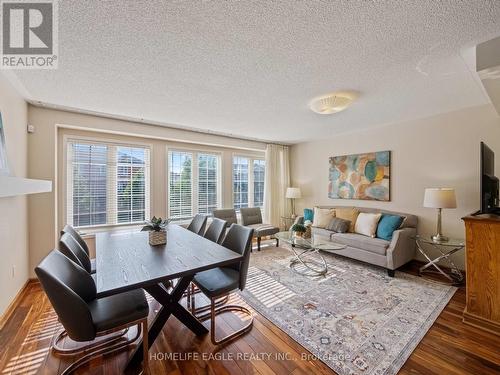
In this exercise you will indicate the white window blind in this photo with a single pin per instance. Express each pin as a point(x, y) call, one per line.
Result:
point(180, 185)
point(248, 182)
point(193, 181)
point(207, 183)
point(106, 184)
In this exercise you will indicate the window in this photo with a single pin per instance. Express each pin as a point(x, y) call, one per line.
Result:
point(207, 183)
point(248, 182)
point(180, 186)
point(193, 180)
point(131, 184)
point(107, 184)
point(240, 182)
point(259, 168)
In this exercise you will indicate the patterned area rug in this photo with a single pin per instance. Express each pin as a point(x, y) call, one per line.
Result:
point(356, 319)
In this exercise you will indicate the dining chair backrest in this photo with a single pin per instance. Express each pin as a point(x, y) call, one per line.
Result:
point(226, 214)
point(70, 288)
point(69, 229)
point(198, 224)
point(239, 239)
point(215, 231)
point(70, 247)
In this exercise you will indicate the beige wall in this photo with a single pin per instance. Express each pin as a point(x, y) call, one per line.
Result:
point(13, 210)
point(440, 151)
point(45, 162)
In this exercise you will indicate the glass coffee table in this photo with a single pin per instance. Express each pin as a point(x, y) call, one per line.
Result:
point(307, 253)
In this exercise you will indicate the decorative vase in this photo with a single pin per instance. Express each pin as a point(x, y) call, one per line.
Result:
point(157, 238)
point(307, 233)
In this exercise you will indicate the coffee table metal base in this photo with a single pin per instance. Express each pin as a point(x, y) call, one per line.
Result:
point(311, 260)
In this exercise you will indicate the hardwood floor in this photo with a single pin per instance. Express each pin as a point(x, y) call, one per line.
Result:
point(450, 347)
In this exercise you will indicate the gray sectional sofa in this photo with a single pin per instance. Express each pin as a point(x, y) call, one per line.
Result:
point(388, 254)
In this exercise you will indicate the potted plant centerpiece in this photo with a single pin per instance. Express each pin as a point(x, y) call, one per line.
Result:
point(298, 230)
point(156, 228)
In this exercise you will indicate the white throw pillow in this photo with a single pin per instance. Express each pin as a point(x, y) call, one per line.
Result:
point(366, 224)
point(322, 216)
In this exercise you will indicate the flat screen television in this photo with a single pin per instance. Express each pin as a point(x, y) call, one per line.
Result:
point(489, 182)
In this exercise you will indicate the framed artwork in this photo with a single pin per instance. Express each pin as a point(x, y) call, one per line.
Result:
point(4, 166)
point(360, 176)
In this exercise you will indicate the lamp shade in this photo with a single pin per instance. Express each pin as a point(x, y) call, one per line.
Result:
point(292, 192)
point(440, 198)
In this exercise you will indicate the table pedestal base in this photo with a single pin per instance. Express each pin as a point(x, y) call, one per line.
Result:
point(170, 306)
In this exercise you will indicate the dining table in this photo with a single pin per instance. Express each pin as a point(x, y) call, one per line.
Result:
point(125, 261)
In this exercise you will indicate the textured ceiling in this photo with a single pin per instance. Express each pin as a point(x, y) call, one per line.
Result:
point(249, 68)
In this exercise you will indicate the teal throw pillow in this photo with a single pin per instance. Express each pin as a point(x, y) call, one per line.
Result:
point(308, 214)
point(387, 225)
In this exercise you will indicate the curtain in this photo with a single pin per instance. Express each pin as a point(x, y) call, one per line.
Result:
point(277, 179)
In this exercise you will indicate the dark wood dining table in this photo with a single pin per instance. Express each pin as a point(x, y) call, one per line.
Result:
point(126, 261)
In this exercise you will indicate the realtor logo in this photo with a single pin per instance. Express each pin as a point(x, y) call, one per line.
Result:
point(29, 34)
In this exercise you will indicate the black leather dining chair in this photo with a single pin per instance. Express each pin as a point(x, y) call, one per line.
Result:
point(220, 282)
point(69, 246)
point(198, 224)
point(74, 233)
point(215, 231)
point(72, 293)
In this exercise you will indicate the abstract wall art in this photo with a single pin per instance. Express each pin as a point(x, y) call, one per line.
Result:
point(360, 176)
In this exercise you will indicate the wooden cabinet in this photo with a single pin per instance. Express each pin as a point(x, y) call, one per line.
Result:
point(483, 272)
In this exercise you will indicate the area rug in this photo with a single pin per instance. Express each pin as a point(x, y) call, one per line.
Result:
point(356, 318)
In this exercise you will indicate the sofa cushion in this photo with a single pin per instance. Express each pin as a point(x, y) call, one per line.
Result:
point(366, 224)
point(348, 213)
point(338, 225)
point(262, 230)
point(387, 225)
point(375, 245)
point(322, 217)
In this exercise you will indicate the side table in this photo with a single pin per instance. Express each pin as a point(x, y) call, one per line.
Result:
point(287, 222)
point(446, 249)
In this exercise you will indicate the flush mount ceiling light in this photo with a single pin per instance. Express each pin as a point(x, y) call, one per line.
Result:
point(331, 103)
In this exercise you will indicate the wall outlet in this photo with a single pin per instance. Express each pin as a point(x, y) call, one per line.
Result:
point(31, 128)
point(13, 271)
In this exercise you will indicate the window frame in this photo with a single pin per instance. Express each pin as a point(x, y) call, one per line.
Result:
point(73, 138)
point(251, 190)
point(194, 176)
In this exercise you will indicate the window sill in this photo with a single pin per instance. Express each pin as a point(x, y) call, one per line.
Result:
point(91, 231)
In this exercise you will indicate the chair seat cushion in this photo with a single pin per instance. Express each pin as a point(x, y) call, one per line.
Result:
point(374, 245)
point(262, 230)
point(217, 281)
point(117, 310)
point(92, 265)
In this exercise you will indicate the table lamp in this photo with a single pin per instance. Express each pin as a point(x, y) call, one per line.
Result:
point(293, 193)
point(440, 198)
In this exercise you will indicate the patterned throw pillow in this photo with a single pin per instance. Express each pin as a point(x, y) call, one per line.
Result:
point(338, 225)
